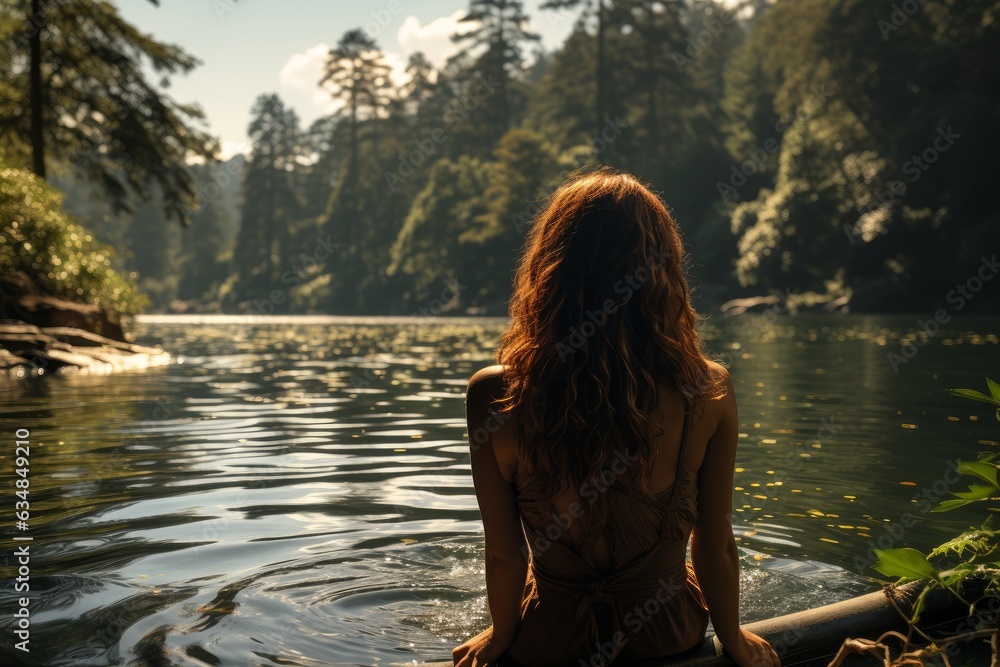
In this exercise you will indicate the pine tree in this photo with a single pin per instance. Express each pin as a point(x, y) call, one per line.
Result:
point(499, 28)
point(82, 73)
point(270, 201)
point(356, 73)
point(603, 86)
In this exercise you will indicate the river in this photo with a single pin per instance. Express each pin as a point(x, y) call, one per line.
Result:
point(296, 491)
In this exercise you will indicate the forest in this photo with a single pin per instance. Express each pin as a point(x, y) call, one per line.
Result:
point(825, 153)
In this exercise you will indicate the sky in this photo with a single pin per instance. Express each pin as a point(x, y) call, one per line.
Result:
point(251, 47)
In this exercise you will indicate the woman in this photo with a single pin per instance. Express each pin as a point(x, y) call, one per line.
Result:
point(602, 441)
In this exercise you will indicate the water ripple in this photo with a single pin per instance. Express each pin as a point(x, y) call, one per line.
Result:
point(298, 491)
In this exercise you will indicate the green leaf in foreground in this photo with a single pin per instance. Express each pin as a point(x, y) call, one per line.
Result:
point(984, 471)
point(994, 389)
point(949, 505)
point(975, 395)
point(906, 564)
point(976, 492)
point(982, 542)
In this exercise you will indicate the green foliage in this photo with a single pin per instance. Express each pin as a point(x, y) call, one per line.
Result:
point(271, 200)
point(424, 248)
point(993, 398)
point(102, 116)
point(973, 554)
point(906, 113)
point(905, 564)
point(44, 250)
point(498, 28)
point(565, 93)
point(435, 177)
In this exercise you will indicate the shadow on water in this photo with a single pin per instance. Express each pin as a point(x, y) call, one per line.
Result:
point(297, 491)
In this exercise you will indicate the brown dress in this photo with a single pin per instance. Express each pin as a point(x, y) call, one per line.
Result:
point(647, 605)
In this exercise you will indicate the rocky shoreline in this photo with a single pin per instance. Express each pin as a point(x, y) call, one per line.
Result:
point(48, 336)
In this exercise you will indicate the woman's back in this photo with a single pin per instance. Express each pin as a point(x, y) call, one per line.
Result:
point(616, 582)
point(588, 481)
point(678, 449)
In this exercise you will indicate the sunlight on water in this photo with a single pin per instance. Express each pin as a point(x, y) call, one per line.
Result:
point(296, 491)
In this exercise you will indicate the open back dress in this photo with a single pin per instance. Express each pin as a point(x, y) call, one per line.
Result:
point(647, 604)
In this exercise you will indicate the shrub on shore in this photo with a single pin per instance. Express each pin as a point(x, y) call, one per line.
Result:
point(44, 251)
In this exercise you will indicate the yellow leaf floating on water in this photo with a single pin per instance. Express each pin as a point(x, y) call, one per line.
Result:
point(827, 539)
point(409, 540)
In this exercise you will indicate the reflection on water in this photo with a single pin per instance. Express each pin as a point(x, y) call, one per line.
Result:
point(297, 491)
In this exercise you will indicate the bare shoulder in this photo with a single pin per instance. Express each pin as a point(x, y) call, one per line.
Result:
point(486, 384)
point(486, 427)
point(719, 404)
point(720, 374)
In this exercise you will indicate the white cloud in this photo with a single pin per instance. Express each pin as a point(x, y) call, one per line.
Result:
point(229, 149)
point(397, 66)
point(302, 73)
point(434, 39)
point(305, 68)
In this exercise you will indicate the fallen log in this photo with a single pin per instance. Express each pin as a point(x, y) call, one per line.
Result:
point(814, 636)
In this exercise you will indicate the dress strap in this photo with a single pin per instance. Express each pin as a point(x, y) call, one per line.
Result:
point(680, 458)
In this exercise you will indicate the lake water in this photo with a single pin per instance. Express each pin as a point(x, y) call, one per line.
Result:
point(297, 491)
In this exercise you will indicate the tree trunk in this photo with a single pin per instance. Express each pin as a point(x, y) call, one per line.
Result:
point(601, 70)
point(36, 25)
point(652, 120)
point(354, 133)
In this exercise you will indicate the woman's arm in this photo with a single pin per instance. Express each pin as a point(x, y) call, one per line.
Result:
point(713, 547)
point(492, 443)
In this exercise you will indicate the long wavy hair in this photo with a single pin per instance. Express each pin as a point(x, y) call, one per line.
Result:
point(601, 317)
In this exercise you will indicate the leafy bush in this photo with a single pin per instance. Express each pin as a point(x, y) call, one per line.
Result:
point(43, 251)
point(975, 553)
